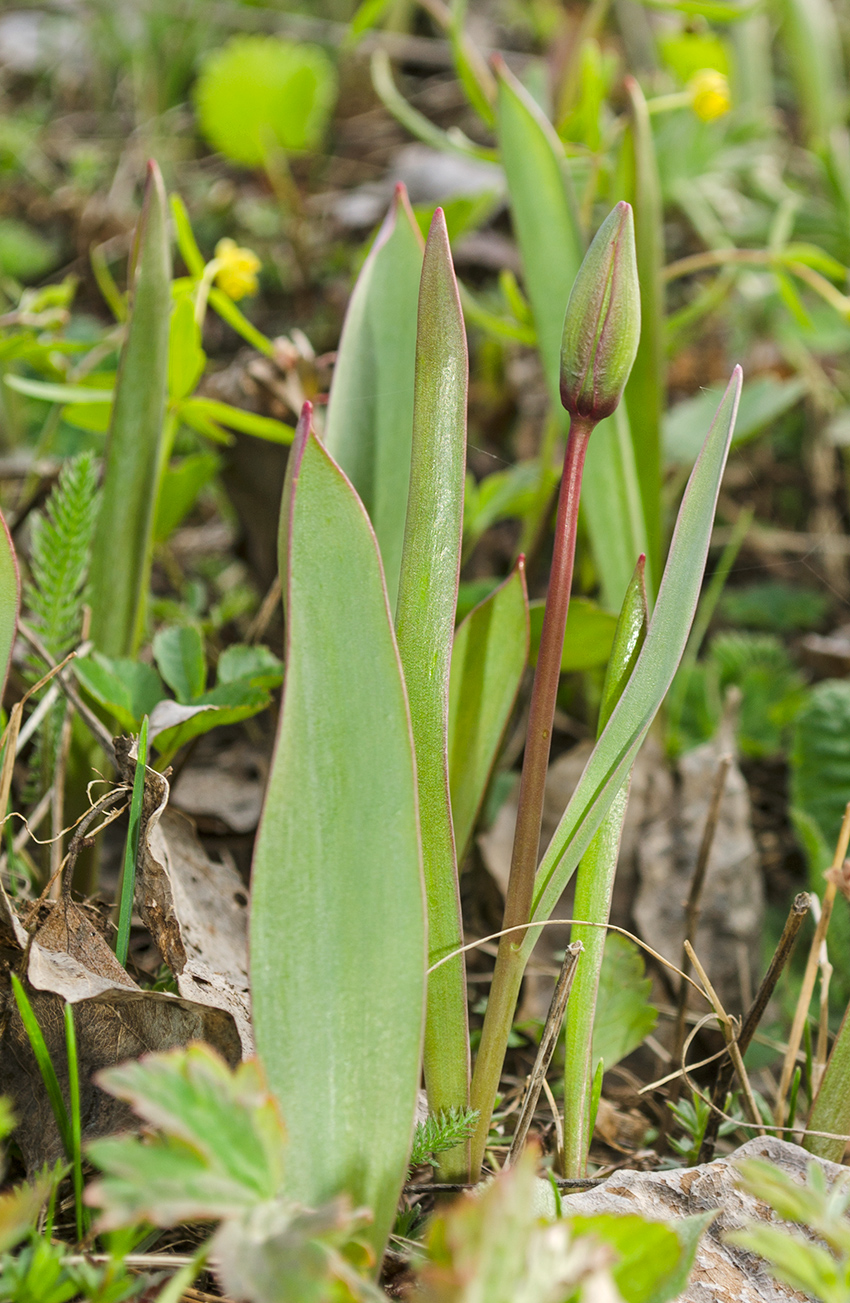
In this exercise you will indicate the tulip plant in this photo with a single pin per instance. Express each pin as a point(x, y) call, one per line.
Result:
point(392, 719)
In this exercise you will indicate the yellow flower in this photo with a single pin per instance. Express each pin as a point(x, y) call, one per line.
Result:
point(237, 272)
point(709, 91)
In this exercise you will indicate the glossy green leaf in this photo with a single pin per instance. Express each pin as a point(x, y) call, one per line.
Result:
point(124, 532)
point(427, 598)
point(551, 250)
point(589, 635)
point(50, 392)
point(226, 703)
point(10, 600)
point(256, 665)
point(665, 642)
point(370, 409)
point(489, 655)
point(180, 659)
point(338, 911)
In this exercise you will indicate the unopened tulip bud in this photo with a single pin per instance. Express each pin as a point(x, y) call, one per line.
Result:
point(602, 325)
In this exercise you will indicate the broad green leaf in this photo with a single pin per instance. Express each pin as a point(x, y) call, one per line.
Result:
point(338, 912)
point(624, 1015)
point(235, 418)
point(488, 659)
point(645, 391)
point(222, 1151)
point(654, 1259)
point(186, 357)
point(181, 484)
point(10, 600)
point(665, 642)
point(180, 658)
point(259, 93)
point(124, 533)
point(589, 635)
point(128, 689)
point(256, 665)
point(427, 599)
point(370, 409)
point(551, 250)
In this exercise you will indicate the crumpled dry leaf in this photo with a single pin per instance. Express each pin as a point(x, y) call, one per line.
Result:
point(67, 958)
point(197, 913)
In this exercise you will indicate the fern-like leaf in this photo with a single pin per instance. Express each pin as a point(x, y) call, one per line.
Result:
point(441, 1132)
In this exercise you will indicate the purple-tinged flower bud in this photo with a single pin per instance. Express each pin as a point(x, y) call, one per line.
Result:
point(602, 325)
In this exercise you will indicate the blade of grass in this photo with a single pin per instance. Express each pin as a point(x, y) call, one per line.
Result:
point(80, 1211)
point(427, 601)
point(45, 1064)
point(131, 848)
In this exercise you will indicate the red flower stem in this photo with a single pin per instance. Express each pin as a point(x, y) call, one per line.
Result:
point(538, 742)
point(509, 966)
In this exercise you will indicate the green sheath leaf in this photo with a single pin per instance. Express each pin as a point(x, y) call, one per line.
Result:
point(123, 536)
point(338, 911)
point(488, 658)
point(427, 599)
point(370, 410)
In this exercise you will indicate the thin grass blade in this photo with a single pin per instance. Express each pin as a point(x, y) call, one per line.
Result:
point(45, 1065)
point(131, 848)
point(80, 1211)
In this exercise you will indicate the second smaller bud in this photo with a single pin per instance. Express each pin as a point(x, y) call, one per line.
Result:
point(602, 325)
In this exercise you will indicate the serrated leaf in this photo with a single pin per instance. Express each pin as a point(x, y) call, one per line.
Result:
point(370, 408)
point(337, 876)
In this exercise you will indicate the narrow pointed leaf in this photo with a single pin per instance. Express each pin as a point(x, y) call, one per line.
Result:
point(10, 600)
point(594, 888)
point(427, 599)
point(551, 249)
point(123, 536)
point(665, 642)
point(337, 909)
point(488, 659)
point(370, 410)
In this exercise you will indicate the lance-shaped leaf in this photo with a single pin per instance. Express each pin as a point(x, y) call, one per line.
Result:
point(551, 250)
point(665, 642)
point(645, 389)
point(370, 410)
point(488, 658)
point(337, 904)
point(594, 888)
point(124, 532)
point(10, 600)
point(427, 599)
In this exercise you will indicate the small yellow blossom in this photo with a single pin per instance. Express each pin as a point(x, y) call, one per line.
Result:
point(709, 92)
point(237, 271)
